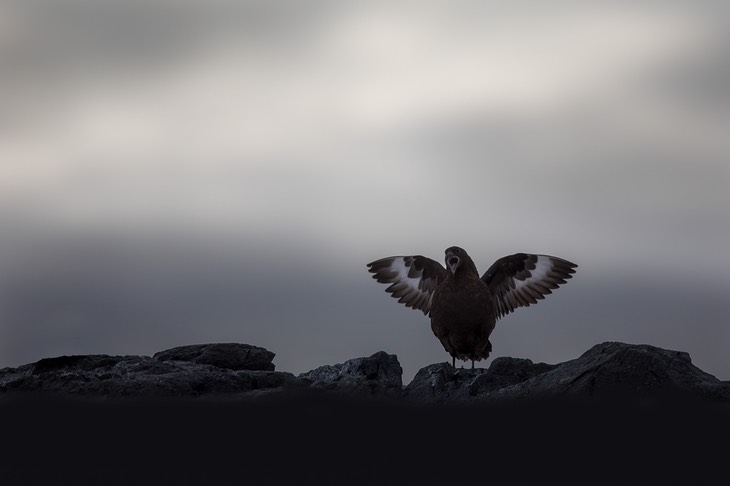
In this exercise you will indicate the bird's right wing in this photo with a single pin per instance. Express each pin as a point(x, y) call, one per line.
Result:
point(413, 279)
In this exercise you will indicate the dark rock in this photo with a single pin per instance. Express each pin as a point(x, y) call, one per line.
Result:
point(378, 374)
point(138, 376)
point(609, 369)
point(504, 372)
point(80, 362)
point(614, 369)
point(269, 427)
point(232, 356)
point(442, 383)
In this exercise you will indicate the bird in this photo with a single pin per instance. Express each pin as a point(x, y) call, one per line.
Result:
point(464, 307)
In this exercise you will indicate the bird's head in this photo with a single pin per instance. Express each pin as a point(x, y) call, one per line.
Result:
point(454, 258)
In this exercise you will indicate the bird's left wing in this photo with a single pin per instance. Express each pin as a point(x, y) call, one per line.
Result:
point(413, 279)
point(522, 279)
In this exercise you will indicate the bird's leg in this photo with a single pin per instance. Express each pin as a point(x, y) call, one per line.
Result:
point(453, 362)
point(472, 364)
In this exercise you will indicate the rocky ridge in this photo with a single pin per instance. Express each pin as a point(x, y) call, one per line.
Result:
point(231, 370)
point(222, 414)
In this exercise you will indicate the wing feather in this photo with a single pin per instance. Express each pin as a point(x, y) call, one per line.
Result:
point(522, 279)
point(413, 279)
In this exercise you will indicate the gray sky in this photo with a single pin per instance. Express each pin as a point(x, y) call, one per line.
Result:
point(203, 171)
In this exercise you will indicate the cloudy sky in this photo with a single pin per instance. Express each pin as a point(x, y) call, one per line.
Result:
point(179, 172)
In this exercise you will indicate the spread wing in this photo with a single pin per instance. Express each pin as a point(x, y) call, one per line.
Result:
point(413, 279)
point(522, 279)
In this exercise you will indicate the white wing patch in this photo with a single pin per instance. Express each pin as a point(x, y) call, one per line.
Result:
point(399, 266)
point(523, 279)
point(412, 279)
point(408, 290)
point(542, 267)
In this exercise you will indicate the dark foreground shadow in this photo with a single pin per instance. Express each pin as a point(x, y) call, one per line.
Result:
point(318, 439)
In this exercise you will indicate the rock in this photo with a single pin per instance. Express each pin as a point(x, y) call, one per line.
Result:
point(379, 374)
point(232, 356)
point(614, 369)
point(608, 370)
point(232, 370)
point(442, 383)
point(523, 417)
point(137, 376)
point(504, 372)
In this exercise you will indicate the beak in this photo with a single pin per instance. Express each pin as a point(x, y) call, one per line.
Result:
point(452, 261)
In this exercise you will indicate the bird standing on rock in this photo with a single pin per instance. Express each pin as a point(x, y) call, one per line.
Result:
point(464, 307)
